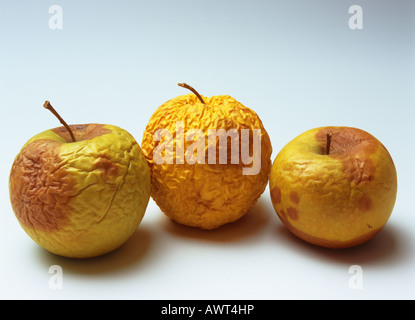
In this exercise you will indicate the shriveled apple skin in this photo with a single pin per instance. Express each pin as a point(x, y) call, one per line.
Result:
point(80, 199)
point(338, 200)
point(205, 195)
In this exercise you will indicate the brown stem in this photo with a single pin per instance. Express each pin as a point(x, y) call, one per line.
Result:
point(184, 85)
point(48, 106)
point(328, 142)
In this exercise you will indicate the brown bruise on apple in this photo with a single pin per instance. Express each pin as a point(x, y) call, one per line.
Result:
point(292, 213)
point(294, 197)
point(86, 132)
point(39, 188)
point(107, 166)
point(365, 204)
point(276, 195)
point(352, 147)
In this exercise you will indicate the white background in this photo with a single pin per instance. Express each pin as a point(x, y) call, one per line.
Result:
point(296, 63)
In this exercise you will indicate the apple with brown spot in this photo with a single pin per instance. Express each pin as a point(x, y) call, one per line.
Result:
point(334, 187)
point(80, 191)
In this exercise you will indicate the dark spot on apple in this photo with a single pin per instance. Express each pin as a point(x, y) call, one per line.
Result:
point(40, 187)
point(365, 203)
point(294, 197)
point(108, 167)
point(292, 213)
point(352, 147)
point(276, 195)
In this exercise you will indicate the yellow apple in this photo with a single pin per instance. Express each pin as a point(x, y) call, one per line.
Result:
point(80, 191)
point(334, 187)
point(199, 152)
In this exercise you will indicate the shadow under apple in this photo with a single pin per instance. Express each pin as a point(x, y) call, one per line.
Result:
point(129, 255)
point(249, 225)
point(389, 246)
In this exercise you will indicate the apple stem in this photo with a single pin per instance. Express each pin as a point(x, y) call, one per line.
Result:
point(328, 142)
point(184, 85)
point(48, 106)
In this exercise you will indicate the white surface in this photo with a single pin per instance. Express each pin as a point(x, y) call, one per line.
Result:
point(296, 63)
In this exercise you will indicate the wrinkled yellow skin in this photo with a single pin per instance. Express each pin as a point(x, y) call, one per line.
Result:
point(205, 195)
point(80, 199)
point(338, 200)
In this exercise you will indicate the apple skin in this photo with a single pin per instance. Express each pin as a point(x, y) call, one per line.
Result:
point(338, 200)
point(206, 196)
point(80, 199)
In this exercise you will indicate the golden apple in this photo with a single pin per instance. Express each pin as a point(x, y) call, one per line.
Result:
point(334, 186)
point(81, 190)
point(209, 159)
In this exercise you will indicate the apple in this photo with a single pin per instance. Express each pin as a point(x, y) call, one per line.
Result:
point(334, 187)
point(81, 190)
point(209, 158)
